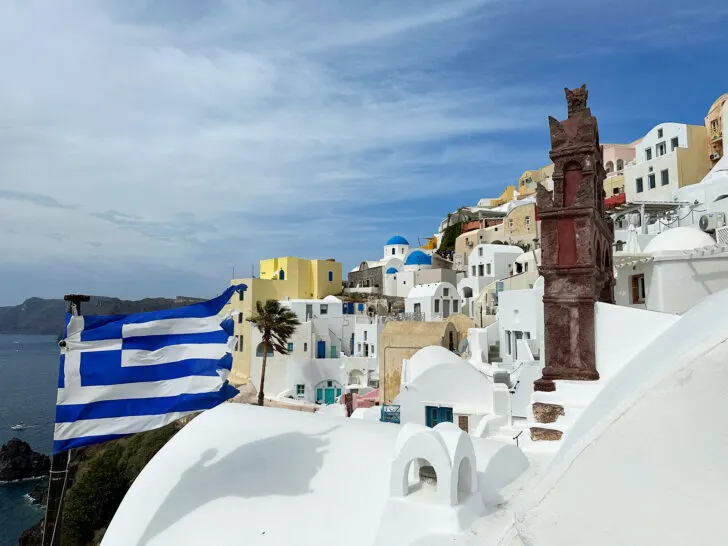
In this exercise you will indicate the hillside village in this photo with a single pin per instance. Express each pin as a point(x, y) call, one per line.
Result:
point(449, 391)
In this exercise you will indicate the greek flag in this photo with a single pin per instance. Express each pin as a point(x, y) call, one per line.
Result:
point(122, 374)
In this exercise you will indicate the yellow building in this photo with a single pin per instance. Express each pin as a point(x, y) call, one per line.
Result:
point(528, 181)
point(280, 278)
point(505, 197)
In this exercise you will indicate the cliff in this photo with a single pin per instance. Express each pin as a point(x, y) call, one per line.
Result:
point(19, 462)
point(43, 316)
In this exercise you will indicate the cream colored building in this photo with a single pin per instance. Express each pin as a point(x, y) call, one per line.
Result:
point(615, 158)
point(714, 128)
point(669, 157)
point(402, 339)
point(528, 181)
point(280, 279)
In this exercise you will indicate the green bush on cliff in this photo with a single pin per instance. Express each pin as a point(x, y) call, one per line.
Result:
point(102, 481)
point(447, 243)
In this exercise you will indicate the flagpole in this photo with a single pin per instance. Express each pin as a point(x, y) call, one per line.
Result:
point(59, 464)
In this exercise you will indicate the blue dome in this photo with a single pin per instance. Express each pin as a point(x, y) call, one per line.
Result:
point(397, 240)
point(418, 258)
point(391, 271)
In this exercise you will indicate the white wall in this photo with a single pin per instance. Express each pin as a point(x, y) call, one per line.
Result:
point(433, 301)
point(395, 251)
point(677, 285)
point(520, 311)
point(641, 166)
point(673, 285)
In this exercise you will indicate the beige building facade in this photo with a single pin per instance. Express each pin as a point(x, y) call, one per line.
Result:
point(401, 340)
point(714, 121)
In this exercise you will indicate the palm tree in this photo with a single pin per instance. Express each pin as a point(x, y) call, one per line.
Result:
point(276, 324)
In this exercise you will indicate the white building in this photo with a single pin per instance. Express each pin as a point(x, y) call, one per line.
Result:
point(399, 270)
point(432, 302)
point(328, 351)
point(676, 270)
point(668, 157)
point(486, 264)
point(438, 386)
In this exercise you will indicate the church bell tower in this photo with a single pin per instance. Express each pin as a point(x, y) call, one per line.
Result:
point(576, 245)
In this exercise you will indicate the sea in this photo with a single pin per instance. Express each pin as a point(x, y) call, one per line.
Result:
point(28, 381)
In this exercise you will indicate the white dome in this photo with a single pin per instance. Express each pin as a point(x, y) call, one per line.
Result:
point(429, 357)
point(679, 239)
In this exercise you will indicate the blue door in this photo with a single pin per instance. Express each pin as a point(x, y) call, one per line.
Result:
point(435, 415)
point(329, 397)
point(321, 349)
point(319, 395)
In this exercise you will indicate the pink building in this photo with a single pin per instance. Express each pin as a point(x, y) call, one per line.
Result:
point(616, 156)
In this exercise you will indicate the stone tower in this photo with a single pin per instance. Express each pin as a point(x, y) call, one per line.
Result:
point(576, 245)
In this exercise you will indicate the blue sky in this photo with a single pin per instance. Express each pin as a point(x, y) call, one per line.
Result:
point(148, 147)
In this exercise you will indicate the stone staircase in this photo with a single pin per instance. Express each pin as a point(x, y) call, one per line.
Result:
point(553, 414)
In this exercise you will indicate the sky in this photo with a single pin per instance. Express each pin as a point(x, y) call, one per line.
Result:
point(151, 147)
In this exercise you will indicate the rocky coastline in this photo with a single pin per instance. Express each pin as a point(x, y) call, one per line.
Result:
point(19, 462)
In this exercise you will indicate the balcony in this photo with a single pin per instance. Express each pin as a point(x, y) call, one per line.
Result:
point(716, 135)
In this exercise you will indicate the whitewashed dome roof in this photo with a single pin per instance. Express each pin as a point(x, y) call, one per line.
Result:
point(679, 239)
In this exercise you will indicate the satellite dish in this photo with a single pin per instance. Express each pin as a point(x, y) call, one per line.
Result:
point(463, 346)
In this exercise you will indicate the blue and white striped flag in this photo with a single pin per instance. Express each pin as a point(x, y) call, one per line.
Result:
point(123, 374)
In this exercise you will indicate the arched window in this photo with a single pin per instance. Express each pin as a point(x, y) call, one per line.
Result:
point(331, 276)
point(282, 275)
point(259, 350)
point(609, 167)
point(620, 164)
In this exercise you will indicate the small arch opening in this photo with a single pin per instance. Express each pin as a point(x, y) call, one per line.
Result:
point(421, 477)
point(464, 484)
point(620, 164)
point(281, 275)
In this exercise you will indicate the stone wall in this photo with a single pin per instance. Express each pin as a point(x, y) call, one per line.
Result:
point(369, 277)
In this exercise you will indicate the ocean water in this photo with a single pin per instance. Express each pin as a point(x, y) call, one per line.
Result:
point(28, 380)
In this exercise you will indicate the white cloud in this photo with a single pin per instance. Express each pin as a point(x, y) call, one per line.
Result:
point(170, 130)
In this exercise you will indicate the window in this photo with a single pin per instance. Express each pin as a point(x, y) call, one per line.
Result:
point(418, 309)
point(392, 252)
point(473, 271)
point(673, 143)
point(620, 164)
point(240, 318)
point(305, 347)
point(615, 191)
point(660, 149)
point(437, 306)
point(454, 306)
point(659, 133)
point(358, 345)
point(300, 390)
point(510, 222)
point(480, 270)
point(638, 183)
point(487, 269)
point(528, 220)
point(365, 335)
point(651, 180)
point(480, 252)
point(638, 288)
point(259, 350)
point(648, 154)
point(665, 177)
point(290, 347)
point(445, 292)
point(372, 348)
point(282, 275)
point(508, 341)
point(239, 343)
point(331, 276)
point(324, 309)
